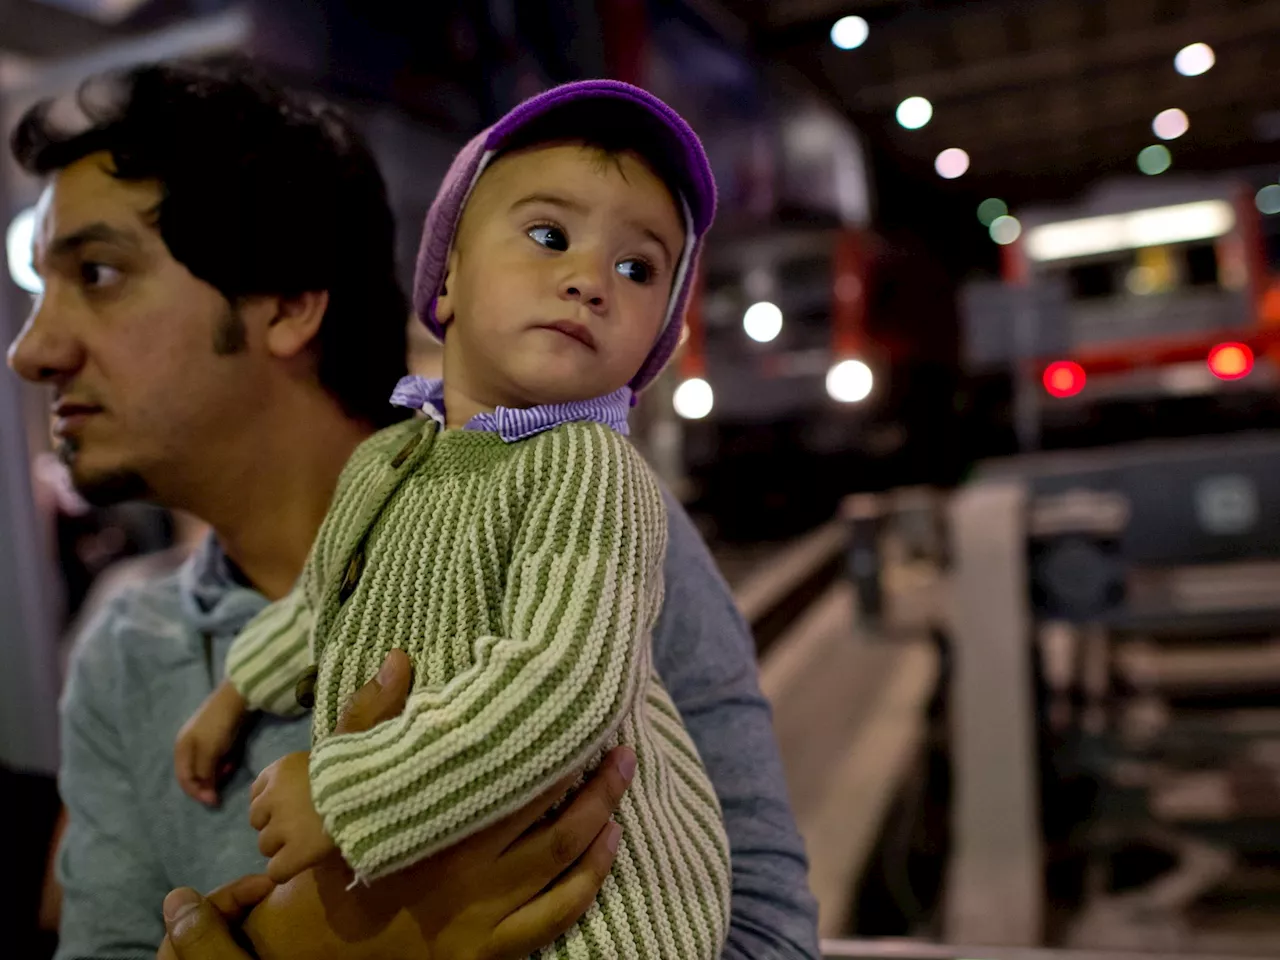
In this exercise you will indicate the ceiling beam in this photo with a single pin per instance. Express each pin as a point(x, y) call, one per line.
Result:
point(1068, 60)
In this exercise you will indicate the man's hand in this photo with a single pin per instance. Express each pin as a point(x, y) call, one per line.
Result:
point(501, 894)
point(290, 830)
point(200, 928)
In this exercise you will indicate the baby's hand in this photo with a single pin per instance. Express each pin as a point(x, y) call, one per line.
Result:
point(290, 831)
point(204, 741)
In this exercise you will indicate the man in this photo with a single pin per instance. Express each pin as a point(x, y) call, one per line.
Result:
point(221, 324)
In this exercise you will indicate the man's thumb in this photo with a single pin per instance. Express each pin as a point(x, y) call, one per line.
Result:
point(381, 698)
point(193, 925)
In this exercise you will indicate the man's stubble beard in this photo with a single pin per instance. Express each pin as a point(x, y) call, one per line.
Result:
point(106, 489)
point(230, 337)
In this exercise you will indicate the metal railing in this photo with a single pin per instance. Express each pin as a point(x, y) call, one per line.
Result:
point(917, 950)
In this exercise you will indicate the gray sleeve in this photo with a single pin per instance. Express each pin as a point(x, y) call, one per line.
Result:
point(112, 890)
point(705, 655)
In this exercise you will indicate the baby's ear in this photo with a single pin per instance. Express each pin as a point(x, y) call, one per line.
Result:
point(445, 304)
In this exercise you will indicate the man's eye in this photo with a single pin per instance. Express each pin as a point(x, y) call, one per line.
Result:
point(99, 275)
point(636, 269)
point(552, 238)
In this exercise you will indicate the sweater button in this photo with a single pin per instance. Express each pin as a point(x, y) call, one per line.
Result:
point(305, 689)
point(352, 576)
point(406, 451)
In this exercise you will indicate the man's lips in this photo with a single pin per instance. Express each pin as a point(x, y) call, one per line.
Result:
point(70, 414)
point(575, 331)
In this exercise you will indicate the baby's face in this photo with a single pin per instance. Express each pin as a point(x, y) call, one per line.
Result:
point(560, 275)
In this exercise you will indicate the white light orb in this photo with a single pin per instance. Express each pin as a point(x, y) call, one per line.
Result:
point(849, 33)
point(1195, 59)
point(951, 163)
point(762, 321)
point(914, 112)
point(850, 381)
point(693, 399)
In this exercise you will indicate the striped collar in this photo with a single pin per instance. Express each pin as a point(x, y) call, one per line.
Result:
point(512, 424)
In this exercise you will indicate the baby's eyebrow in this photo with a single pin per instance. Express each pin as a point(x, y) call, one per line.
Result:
point(553, 199)
point(652, 235)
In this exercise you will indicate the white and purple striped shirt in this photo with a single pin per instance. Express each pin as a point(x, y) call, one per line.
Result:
point(512, 424)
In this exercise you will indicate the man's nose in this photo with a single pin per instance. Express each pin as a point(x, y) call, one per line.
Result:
point(44, 350)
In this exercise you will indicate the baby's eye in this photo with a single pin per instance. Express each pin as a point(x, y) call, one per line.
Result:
point(636, 269)
point(552, 238)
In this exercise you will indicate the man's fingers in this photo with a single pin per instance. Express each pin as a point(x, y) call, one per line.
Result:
point(552, 848)
point(558, 908)
point(381, 698)
point(234, 900)
point(197, 931)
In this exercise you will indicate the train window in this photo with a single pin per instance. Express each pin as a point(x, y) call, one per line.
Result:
point(1202, 265)
point(1092, 281)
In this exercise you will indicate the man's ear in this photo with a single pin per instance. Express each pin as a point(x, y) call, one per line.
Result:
point(445, 304)
point(295, 322)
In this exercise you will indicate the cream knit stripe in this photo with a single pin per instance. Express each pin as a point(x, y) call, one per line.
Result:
point(645, 842)
point(631, 894)
point(616, 929)
point(673, 855)
point(443, 769)
point(266, 659)
point(695, 860)
point(705, 844)
point(682, 755)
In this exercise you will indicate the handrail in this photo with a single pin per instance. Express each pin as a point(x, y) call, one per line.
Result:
point(889, 949)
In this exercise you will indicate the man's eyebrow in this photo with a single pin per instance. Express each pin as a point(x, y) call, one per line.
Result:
point(93, 233)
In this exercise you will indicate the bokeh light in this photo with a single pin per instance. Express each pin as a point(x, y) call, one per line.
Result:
point(1064, 378)
point(951, 163)
point(762, 321)
point(914, 112)
point(1231, 361)
point(1170, 124)
point(1195, 59)
point(849, 33)
point(850, 381)
point(1005, 230)
point(990, 209)
point(693, 399)
point(1268, 199)
point(1154, 159)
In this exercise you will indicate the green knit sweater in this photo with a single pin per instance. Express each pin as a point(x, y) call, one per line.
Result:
point(523, 580)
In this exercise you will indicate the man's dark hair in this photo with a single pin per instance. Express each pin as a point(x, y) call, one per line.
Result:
point(264, 192)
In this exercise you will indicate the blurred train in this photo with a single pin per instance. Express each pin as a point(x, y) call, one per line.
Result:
point(1147, 309)
point(827, 352)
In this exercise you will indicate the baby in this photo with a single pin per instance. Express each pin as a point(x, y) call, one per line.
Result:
point(511, 541)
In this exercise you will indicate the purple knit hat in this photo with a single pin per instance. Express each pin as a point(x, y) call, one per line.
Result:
point(698, 198)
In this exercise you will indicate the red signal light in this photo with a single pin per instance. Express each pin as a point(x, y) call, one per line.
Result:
point(1230, 361)
point(1064, 378)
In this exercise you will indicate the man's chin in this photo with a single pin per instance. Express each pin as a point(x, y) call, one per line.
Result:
point(103, 487)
